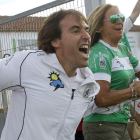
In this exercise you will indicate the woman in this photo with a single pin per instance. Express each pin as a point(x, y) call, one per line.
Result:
point(114, 69)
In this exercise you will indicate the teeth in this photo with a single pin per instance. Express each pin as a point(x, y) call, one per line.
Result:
point(85, 47)
point(87, 55)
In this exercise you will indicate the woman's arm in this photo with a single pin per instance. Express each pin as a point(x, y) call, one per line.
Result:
point(132, 18)
point(136, 11)
point(108, 97)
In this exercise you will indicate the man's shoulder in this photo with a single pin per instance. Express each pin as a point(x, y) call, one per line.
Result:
point(24, 54)
point(28, 52)
point(19, 57)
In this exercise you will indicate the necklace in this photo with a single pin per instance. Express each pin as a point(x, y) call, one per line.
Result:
point(115, 50)
point(116, 54)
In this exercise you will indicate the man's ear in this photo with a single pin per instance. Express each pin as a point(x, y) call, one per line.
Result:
point(56, 43)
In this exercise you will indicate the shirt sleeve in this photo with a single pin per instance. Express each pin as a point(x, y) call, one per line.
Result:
point(127, 25)
point(133, 60)
point(100, 64)
point(10, 71)
point(125, 41)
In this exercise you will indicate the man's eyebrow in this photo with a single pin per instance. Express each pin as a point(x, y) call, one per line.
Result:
point(78, 27)
point(75, 26)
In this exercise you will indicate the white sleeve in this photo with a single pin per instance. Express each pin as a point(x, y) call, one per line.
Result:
point(127, 25)
point(137, 68)
point(10, 71)
point(102, 76)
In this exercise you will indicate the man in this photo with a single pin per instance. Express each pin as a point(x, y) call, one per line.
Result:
point(52, 87)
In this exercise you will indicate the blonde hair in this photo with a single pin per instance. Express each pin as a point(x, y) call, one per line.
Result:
point(95, 21)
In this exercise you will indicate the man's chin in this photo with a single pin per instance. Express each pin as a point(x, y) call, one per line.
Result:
point(84, 65)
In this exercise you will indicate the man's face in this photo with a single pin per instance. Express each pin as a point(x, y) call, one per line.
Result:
point(74, 43)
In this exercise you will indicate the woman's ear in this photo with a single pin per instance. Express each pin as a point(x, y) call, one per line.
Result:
point(56, 43)
point(100, 29)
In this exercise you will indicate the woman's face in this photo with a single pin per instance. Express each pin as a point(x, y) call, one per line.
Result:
point(112, 33)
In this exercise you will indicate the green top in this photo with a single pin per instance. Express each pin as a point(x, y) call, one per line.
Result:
point(120, 73)
point(128, 24)
point(124, 41)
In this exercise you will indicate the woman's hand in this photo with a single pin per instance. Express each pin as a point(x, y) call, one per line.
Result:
point(132, 84)
point(136, 88)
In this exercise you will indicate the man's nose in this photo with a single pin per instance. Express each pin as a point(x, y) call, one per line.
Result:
point(86, 35)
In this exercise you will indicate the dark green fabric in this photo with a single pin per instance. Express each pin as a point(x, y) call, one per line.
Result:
point(105, 131)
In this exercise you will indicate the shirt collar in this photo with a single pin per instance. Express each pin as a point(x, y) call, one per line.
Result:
point(108, 46)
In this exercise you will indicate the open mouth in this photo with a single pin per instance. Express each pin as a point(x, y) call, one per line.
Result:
point(84, 49)
point(118, 29)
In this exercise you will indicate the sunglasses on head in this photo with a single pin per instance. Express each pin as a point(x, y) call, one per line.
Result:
point(114, 18)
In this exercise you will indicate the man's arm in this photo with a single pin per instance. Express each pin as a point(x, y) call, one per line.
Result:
point(136, 11)
point(10, 71)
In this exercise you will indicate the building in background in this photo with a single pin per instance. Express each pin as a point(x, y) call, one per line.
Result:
point(19, 35)
point(134, 40)
point(90, 5)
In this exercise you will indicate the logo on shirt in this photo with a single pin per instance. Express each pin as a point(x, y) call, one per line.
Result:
point(121, 65)
point(102, 62)
point(40, 54)
point(55, 81)
point(124, 109)
point(86, 92)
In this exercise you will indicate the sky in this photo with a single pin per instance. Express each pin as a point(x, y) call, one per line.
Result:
point(125, 7)
point(13, 7)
